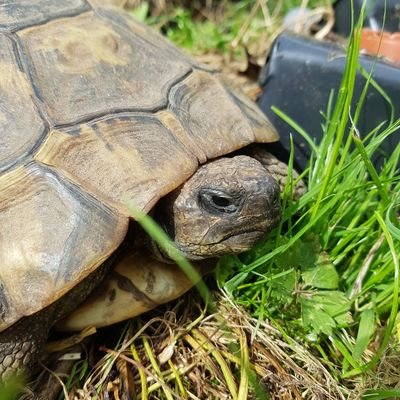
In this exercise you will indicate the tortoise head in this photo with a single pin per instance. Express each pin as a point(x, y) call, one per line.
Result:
point(225, 207)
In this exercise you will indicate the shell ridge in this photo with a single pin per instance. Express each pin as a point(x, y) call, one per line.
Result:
point(28, 154)
point(24, 63)
point(67, 180)
point(85, 7)
point(27, 67)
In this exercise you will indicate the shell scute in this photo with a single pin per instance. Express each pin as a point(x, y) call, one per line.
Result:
point(130, 156)
point(21, 126)
point(85, 67)
point(216, 122)
point(56, 235)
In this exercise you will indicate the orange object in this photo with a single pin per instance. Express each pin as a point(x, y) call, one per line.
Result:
point(381, 44)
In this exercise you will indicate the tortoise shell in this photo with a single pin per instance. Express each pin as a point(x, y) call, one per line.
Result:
point(95, 108)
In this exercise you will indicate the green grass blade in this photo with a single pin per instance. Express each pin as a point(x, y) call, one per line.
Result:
point(381, 394)
point(366, 330)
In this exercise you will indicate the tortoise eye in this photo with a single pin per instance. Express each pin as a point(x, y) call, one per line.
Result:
point(221, 201)
point(217, 201)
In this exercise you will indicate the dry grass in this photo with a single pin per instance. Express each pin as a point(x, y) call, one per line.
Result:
point(184, 352)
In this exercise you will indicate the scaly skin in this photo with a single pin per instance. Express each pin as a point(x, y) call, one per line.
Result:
point(20, 344)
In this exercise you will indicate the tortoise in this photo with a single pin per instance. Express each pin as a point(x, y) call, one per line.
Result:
point(96, 110)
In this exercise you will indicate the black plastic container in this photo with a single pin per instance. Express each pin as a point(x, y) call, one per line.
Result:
point(375, 11)
point(298, 78)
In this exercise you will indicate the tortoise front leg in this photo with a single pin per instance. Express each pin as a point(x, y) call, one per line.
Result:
point(21, 344)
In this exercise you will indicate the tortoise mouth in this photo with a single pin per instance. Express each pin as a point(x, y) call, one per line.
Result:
point(245, 239)
point(233, 243)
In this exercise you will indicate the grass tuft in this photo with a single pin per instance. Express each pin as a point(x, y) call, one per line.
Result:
point(330, 273)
